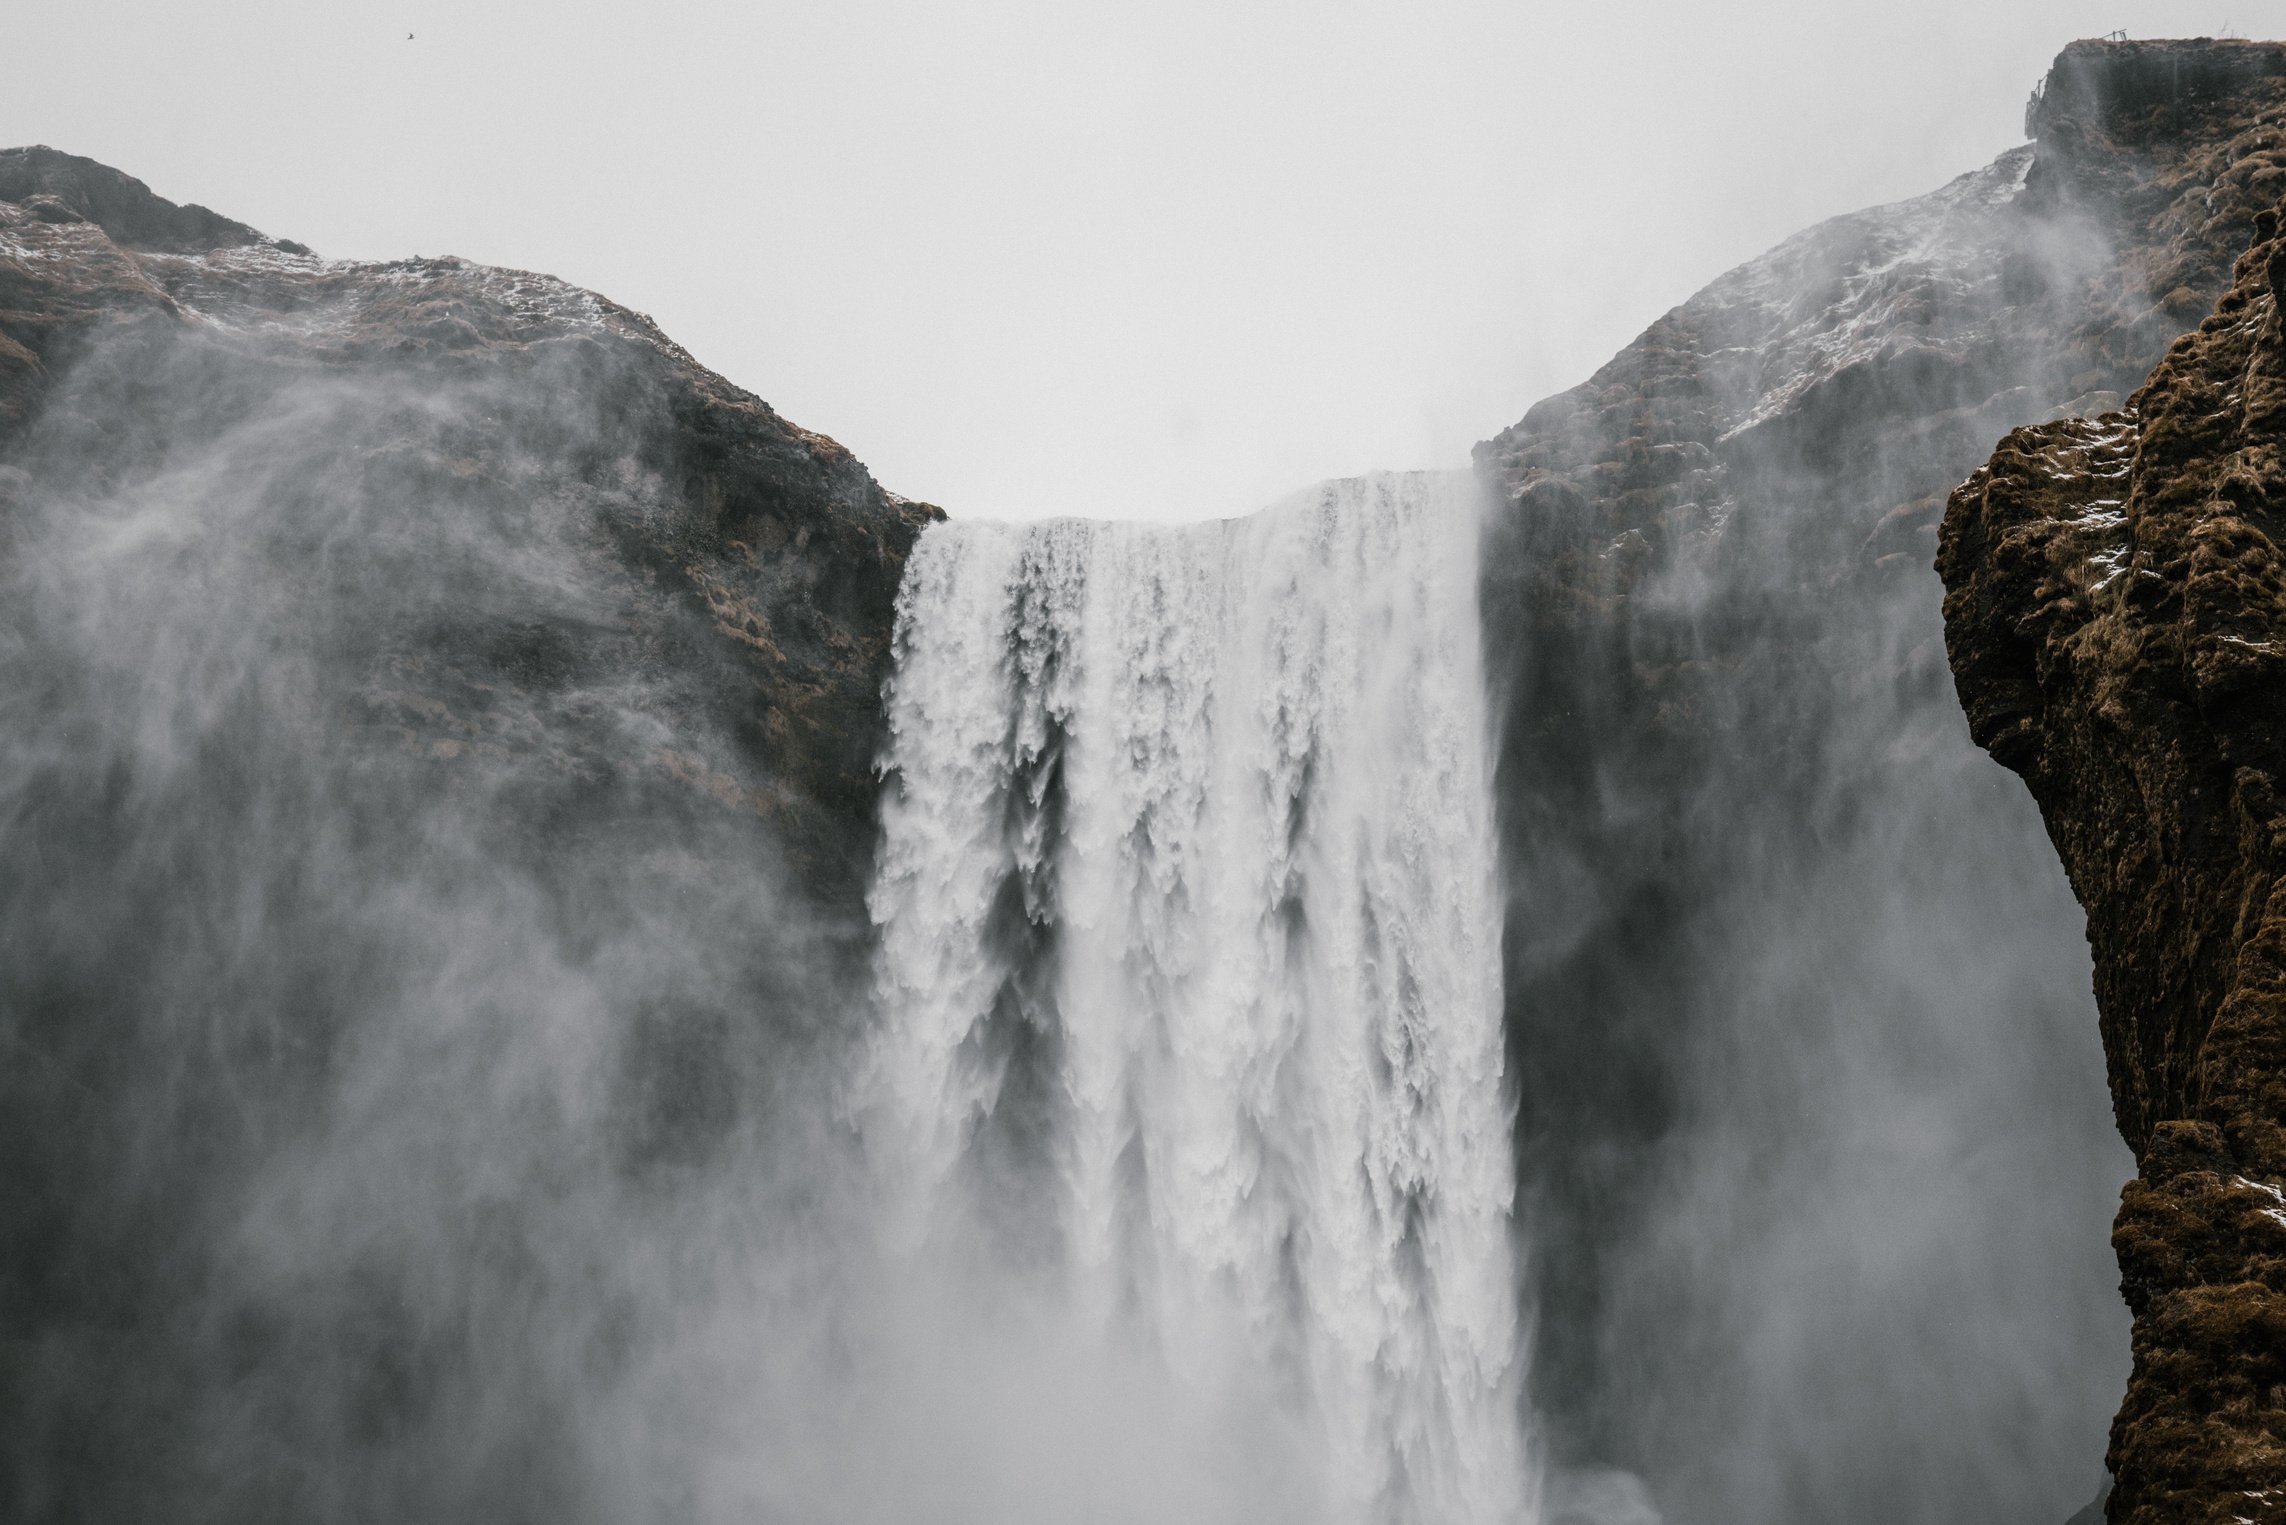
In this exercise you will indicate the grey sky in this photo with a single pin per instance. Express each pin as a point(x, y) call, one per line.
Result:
point(1041, 256)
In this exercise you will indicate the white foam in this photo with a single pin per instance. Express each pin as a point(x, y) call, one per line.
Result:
point(1267, 869)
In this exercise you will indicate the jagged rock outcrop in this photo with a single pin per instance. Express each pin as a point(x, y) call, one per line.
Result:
point(2116, 616)
point(1729, 760)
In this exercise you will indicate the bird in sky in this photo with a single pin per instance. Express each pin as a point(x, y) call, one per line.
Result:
point(408, 37)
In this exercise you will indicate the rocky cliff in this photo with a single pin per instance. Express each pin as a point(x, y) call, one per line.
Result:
point(1775, 929)
point(2116, 616)
point(436, 726)
point(437, 719)
point(755, 549)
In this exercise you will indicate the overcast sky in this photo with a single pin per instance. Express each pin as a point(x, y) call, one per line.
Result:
point(1026, 257)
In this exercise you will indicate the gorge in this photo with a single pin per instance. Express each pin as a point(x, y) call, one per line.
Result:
point(565, 954)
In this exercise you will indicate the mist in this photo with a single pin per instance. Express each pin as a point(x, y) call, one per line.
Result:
point(475, 1051)
point(424, 1087)
point(1814, 1143)
point(443, 1067)
point(1188, 1003)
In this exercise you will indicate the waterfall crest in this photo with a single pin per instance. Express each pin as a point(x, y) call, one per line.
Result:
point(1189, 963)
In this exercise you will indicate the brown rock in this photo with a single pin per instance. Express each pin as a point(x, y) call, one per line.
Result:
point(2116, 619)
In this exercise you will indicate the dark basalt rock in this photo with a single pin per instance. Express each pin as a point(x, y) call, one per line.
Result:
point(2116, 618)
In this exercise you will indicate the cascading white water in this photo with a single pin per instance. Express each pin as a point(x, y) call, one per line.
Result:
point(1189, 969)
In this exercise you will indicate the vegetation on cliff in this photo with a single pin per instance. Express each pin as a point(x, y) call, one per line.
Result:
point(2116, 617)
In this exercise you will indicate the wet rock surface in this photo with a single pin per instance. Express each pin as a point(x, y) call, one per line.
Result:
point(1764, 895)
point(2116, 616)
point(437, 726)
point(1792, 1005)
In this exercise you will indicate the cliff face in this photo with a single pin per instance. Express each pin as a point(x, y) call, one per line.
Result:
point(763, 552)
point(437, 719)
point(1775, 928)
point(436, 726)
point(2116, 615)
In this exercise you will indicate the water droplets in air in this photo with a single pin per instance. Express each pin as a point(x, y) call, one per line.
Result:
point(1189, 971)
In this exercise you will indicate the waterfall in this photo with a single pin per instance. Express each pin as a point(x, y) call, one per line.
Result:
point(1189, 963)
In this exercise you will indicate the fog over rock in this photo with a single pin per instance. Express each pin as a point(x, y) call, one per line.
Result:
point(447, 930)
point(1811, 1135)
point(436, 794)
